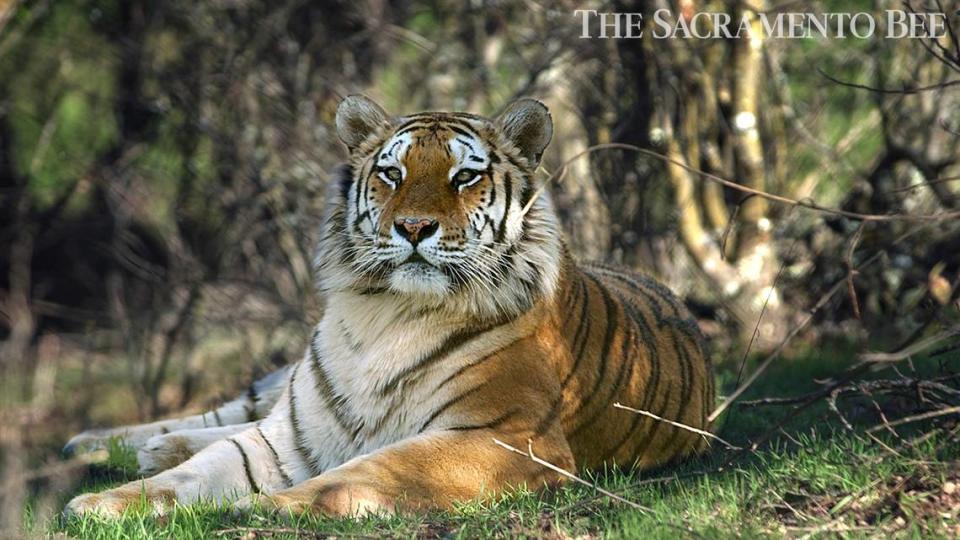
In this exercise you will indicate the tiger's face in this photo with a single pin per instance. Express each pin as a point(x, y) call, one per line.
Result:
point(433, 208)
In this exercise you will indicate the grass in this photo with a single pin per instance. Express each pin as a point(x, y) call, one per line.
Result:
point(815, 478)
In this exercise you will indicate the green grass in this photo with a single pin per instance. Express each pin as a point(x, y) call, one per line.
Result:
point(814, 477)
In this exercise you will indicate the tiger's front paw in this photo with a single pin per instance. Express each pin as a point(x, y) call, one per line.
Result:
point(272, 504)
point(163, 452)
point(87, 442)
point(114, 502)
point(326, 500)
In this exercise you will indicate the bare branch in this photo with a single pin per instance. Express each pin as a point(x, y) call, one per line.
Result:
point(679, 425)
point(917, 418)
point(904, 91)
point(740, 187)
point(916, 348)
point(529, 453)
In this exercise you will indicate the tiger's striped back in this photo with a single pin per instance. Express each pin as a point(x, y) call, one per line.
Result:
point(631, 341)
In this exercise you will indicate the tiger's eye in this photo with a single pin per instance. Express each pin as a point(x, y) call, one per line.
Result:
point(393, 174)
point(464, 176)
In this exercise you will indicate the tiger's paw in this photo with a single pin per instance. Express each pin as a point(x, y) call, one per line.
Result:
point(86, 442)
point(332, 501)
point(162, 452)
point(277, 504)
point(114, 502)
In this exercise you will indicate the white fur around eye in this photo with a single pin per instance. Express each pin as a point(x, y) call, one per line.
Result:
point(461, 185)
point(391, 155)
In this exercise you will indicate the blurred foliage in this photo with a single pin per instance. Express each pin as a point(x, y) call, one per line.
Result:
point(162, 164)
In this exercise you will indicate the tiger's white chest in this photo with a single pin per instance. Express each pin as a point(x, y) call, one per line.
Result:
point(379, 374)
point(367, 345)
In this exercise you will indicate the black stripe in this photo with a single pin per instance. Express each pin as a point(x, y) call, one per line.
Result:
point(578, 347)
point(460, 131)
point(471, 116)
point(573, 296)
point(472, 364)
point(661, 411)
point(465, 142)
point(406, 126)
point(246, 467)
point(686, 386)
point(526, 193)
point(453, 341)
point(371, 291)
point(450, 403)
point(646, 286)
point(551, 415)
point(360, 179)
point(252, 409)
point(508, 188)
point(360, 217)
point(493, 190)
point(625, 371)
point(276, 458)
point(298, 438)
point(495, 423)
point(334, 402)
point(446, 119)
point(514, 162)
point(688, 326)
point(650, 389)
point(216, 416)
point(464, 124)
point(611, 326)
point(420, 125)
point(345, 177)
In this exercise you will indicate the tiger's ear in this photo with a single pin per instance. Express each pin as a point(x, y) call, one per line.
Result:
point(527, 124)
point(357, 117)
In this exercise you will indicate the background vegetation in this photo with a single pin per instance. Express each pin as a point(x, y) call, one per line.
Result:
point(162, 166)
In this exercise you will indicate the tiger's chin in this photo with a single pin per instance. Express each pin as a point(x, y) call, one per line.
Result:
point(420, 279)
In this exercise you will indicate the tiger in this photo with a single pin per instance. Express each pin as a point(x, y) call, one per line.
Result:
point(457, 328)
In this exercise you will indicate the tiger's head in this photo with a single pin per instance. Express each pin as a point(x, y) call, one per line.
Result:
point(431, 209)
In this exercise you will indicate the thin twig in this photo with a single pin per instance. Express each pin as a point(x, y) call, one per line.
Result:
point(916, 90)
point(729, 228)
point(925, 183)
point(679, 425)
point(917, 418)
point(529, 453)
point(906, 352)
point(776, 352)
point(851, 271)
point(740, 187)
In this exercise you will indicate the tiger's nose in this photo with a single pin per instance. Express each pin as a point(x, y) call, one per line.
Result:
point(416, 229)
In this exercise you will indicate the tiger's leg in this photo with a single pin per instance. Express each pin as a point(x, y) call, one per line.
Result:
point(253, 405)
point(428, 471)
point(509, 395)
point(227, 469)
point(162, 452)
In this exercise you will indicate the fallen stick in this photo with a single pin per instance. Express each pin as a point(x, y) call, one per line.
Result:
point(916, 418)
point(679, 425)
point(529, 453)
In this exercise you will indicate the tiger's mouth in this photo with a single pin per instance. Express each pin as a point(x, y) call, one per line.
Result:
point(417, 275)
point(417, 258)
